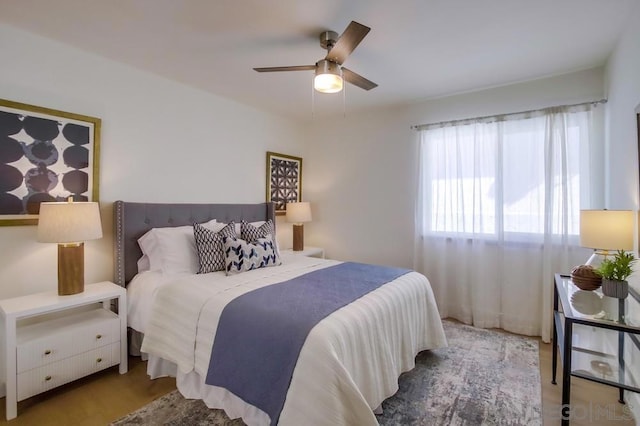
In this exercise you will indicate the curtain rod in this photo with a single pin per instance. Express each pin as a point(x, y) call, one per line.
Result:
point(486, 117)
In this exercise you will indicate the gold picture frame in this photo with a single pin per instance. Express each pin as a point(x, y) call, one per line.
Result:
point(284, 180)
point(45, 155)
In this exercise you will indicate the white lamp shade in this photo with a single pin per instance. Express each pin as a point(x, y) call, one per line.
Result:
point(606, 229)
point(69, 222)
point(299, 212)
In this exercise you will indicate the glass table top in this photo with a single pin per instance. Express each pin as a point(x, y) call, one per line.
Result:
point(594, 306)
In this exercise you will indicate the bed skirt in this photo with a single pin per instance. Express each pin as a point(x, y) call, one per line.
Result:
point(135, 341)
point(192, 386)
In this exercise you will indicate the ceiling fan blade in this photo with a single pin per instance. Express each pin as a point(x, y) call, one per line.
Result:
point(347, 42)
point(293, 68)
point(357, 79)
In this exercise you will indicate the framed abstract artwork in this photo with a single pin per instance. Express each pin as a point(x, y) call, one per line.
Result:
point(45, 155)
point(284, 180)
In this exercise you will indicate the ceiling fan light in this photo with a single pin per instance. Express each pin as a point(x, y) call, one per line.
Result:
point(328, 77)
point(327, 83)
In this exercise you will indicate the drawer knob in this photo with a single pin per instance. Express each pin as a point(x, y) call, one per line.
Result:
point(47, 352)
point(46, 379)
point(99, 360)
point(99, 336)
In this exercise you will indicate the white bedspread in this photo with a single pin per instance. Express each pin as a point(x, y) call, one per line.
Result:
point(348, 365)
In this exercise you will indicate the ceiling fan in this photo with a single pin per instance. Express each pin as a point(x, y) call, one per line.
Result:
point(329, 71)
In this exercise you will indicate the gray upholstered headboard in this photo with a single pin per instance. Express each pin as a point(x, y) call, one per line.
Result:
point(132, 220)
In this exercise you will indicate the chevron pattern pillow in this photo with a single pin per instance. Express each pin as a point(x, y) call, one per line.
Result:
point(251, 233)
point(210, 248)
point(241, 256)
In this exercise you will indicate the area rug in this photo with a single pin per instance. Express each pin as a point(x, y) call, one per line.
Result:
point(484, 377)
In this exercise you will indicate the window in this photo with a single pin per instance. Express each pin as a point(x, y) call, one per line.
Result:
point(520, 174)
point(498, 208)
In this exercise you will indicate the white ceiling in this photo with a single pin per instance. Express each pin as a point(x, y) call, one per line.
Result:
point(417, 49)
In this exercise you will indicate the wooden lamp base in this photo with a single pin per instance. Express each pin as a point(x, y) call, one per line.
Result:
point(298, 237)
point(70, 269)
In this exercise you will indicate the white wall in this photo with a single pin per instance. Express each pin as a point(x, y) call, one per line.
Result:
point(161, 141)
point(358, 179)
point(623, 92)
point(360, 170)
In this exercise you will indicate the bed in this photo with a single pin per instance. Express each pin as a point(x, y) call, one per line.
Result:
point(347, 365)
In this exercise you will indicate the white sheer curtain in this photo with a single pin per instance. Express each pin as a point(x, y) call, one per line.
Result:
point(497, 213)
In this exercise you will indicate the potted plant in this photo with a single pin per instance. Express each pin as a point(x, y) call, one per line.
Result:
point(614, 272)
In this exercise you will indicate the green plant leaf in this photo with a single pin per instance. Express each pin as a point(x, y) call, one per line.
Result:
point(617, 268)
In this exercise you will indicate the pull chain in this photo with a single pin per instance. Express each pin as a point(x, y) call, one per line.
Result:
point(313, 100)
point(344, 99)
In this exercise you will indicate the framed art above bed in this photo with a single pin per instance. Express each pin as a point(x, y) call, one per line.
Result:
point(284, 180)
point(45, 155)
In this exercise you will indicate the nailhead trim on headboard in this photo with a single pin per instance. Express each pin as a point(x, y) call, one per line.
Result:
point(119, 247)
point(132, 220)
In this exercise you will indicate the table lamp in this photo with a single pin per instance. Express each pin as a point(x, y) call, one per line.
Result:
point(298, 213)
point(69, 224)
point(605, 230)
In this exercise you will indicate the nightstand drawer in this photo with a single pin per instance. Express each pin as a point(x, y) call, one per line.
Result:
point(44, 343)
point(49, 339)
point(37, 380)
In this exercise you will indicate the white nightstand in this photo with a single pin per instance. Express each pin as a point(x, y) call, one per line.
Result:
point(308, 251)
point(42, 351)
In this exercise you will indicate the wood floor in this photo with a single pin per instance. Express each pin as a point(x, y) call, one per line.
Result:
point(107, 396)
point(593, 403)
point(92, 401)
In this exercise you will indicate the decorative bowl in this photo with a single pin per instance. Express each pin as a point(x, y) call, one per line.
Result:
point(585, 278)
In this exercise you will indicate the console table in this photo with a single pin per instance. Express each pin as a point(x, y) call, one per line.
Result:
point(590, 332)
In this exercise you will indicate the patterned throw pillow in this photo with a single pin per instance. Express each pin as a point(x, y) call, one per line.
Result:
point(251, 233)
point(241, 256)
point(210, 247)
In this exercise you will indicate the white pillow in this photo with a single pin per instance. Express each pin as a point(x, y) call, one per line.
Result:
point(172, 249)
point(143, 263)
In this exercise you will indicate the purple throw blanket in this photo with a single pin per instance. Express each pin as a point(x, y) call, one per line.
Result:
point(261, 333)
